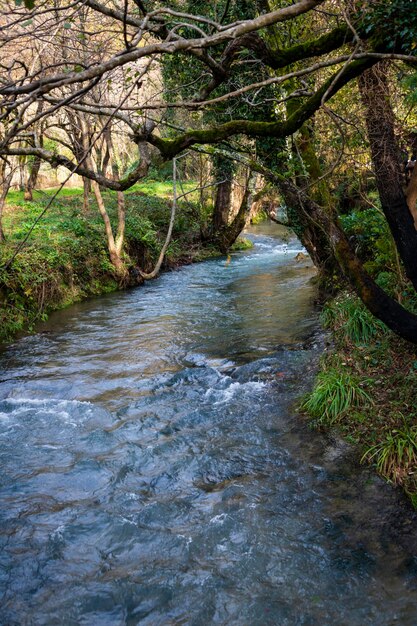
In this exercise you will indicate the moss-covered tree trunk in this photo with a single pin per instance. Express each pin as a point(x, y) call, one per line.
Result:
point(226, 236)
point(223, 172)
point(275, 155)
point(386, 157)
point(311, 177)
point(222, 204)
point(224, 230)
point(311, 234)
point(385, 308)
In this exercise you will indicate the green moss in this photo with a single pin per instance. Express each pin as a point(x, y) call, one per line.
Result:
point(242, 243)
point(260, 217)
point(215, 134)
point(313, 47)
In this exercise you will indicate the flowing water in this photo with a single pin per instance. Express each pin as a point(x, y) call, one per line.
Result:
point(154, 470)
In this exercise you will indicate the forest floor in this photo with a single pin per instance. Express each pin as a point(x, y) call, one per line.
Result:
point(65, 258)
point(367, 391)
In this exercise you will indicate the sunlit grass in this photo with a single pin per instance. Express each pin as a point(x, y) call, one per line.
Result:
point(164, 189)
point(161, 189)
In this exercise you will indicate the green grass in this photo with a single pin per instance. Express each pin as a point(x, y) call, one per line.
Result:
point(367, 389)
point(164, 189)
point(335, 393)
point(395, 457)
point(357, 324)
point(65, 258)
point(159, 189)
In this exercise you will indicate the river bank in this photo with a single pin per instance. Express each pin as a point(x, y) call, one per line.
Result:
point(366, 388)
point(66, 259)
point(366, 391)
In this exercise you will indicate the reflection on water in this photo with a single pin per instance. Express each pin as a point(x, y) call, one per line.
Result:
point(154, 471)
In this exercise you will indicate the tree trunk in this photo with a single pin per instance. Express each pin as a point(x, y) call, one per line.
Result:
point(86, 193)
point(114, 251)
point(411, 192)
point(32, 179)
point(310, 234)
point(379, 303)
point(227, 234)
point(109, 155)
point(320, 191)
point(386, 157)
point(121, 221)
point(223, 173)
point(5, 182)
point(222, 205)
point(2, 202)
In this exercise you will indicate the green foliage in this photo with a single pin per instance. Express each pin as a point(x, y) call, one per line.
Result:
point(29, 4)
point(349, 316)
point(410, 83)
point(335, 393)
point(141, 230)
point(395, 457)
point(261, 216)
point(369, 231)
point(157, 172)
point(393, 23)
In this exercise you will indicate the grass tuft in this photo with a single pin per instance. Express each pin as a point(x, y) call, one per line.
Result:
point(395, 457)
point(334, 394)
point(349, 315)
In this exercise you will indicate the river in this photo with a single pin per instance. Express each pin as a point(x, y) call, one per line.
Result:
point(155, 471)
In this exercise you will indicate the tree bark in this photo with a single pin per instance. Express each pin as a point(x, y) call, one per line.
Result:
point(309, 232)
point(113, 247)
point(379, 303)
point(86, 193)
point(2, 235)
point(222, 205)
point(386, 157)
point(411, 192)
point(32, 179)
point(5, 182)
point(227, 234)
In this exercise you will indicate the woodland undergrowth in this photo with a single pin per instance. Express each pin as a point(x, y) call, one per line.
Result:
point(367, 391)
